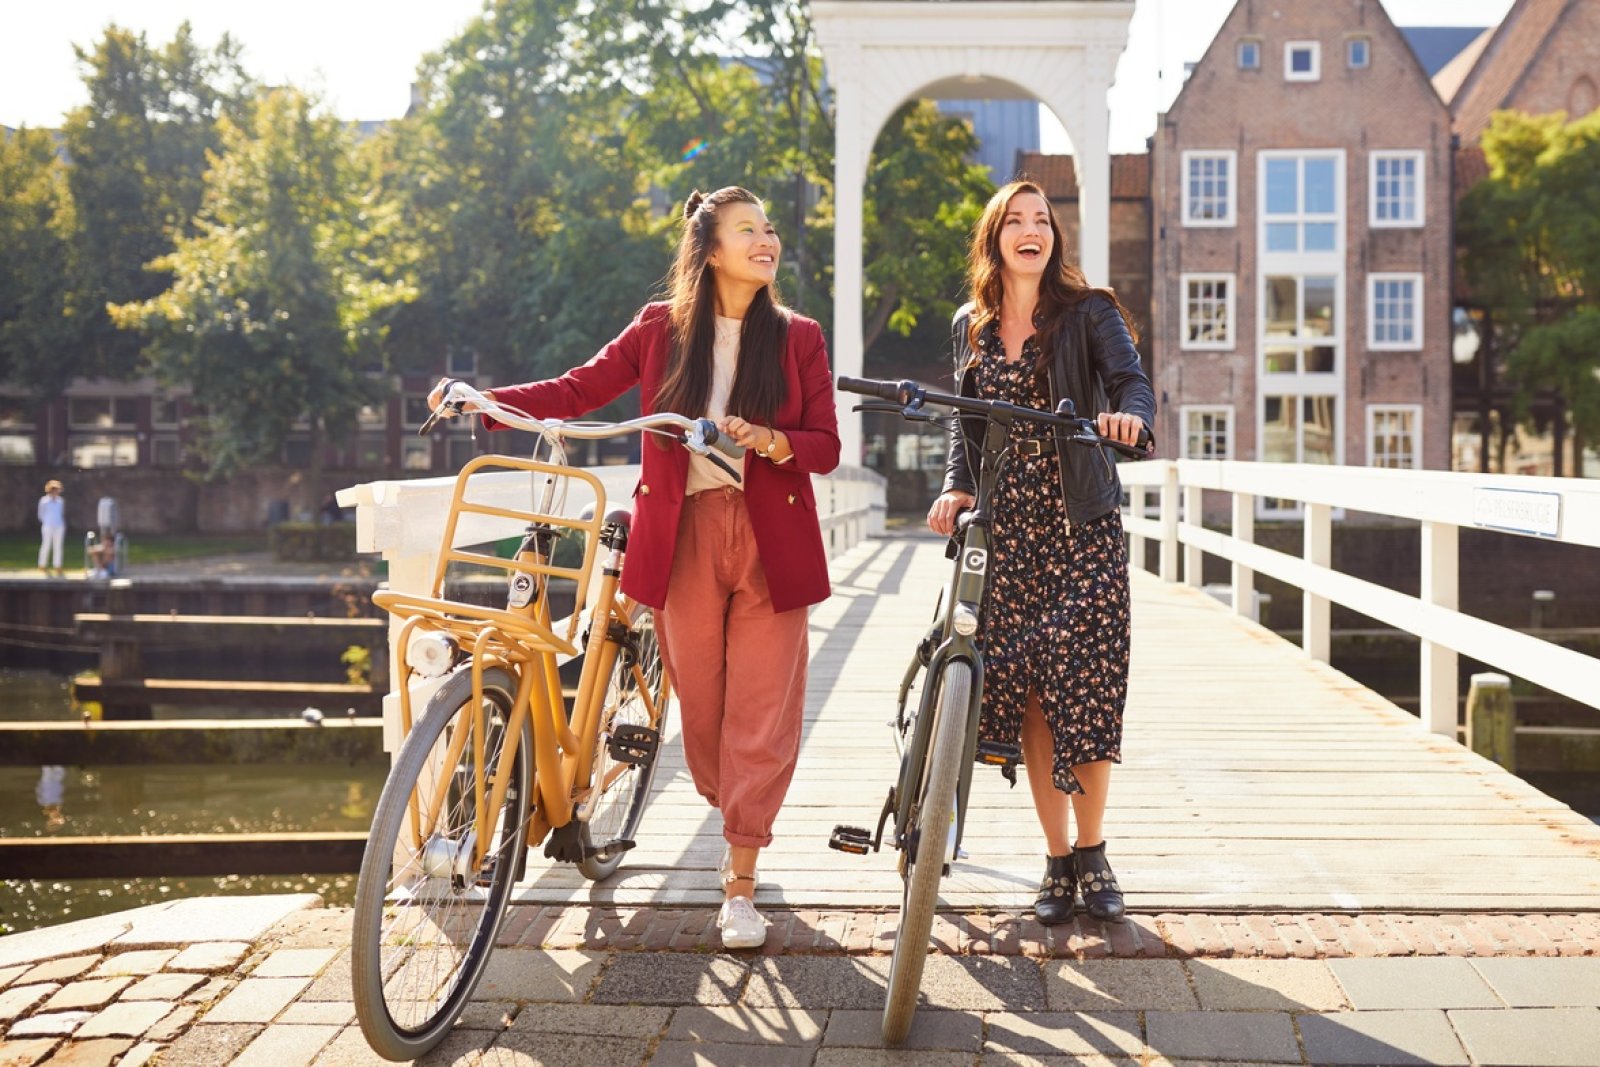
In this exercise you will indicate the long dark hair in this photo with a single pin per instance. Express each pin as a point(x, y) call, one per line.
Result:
point(758, 385)
point(1062, 286)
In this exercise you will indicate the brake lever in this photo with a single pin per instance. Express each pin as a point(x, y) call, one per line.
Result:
point(453, 407)
point(696, 443)
point(724, 464)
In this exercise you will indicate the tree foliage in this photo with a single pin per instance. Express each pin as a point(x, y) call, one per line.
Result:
point(522, 211)
point(35, 269)
point(1530, 240)
point(924, 196)
point(138, 152)
point(278, 303)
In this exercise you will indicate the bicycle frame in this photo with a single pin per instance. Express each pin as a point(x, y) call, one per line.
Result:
point(964, 591)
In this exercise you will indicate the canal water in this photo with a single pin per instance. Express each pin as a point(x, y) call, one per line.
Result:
point(161, 799)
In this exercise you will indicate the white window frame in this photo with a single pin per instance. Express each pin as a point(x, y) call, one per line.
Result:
point(1238, 52)
point(1302, 261)
point(1230, 432)
point(1417, 317)
point(1230, 311)
point(1415, 411)
point(1420, 159)
point(1349, 54)
point(1290, 74)
point(1231, 158)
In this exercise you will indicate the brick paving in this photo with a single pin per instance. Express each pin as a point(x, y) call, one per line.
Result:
point(652, 986)
point(1180, 936)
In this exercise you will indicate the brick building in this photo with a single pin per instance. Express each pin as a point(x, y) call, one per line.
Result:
point(1301, 192)
point(1130, 221)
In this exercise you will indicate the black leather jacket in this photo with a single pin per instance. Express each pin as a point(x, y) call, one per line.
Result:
point(1096, 365)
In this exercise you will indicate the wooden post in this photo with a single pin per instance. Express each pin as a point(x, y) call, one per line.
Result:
point(1492, 719)
point(1316, 636)
point(1193, 514)
point(1136, 509)
point(1169, 524)
point(120, 657)
point(1244, 579)
point(1440, 588)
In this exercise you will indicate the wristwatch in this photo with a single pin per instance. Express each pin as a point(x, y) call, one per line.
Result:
point(772, 443)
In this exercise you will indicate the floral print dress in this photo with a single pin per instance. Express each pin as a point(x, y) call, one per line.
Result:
point(1055, 611)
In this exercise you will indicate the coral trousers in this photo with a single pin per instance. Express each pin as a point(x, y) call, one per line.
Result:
point(738, 668)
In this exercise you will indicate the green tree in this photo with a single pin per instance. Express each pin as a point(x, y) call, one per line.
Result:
point(35, 267)
point(138, 152)
point(1530, 242)
point(923, 197)
point(279, 301)
point(557, 140)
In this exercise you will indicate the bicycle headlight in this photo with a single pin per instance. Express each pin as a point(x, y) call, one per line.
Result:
point(965, 620)
point(431, 654)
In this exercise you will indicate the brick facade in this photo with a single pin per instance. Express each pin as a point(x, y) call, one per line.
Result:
point(1314, 140)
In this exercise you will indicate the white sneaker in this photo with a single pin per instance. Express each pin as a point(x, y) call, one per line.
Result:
point(741, 924)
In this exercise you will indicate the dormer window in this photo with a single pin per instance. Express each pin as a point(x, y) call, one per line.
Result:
point(1249, 54)
point(1302, 61)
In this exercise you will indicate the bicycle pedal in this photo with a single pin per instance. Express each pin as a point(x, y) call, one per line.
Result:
point(611, 848)
point(852, 839)
point(633, 744)
point(997, 754)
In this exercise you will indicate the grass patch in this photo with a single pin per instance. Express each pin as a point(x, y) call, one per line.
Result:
point(21, 551)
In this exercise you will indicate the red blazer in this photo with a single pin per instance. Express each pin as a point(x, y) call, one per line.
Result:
point(783, 510)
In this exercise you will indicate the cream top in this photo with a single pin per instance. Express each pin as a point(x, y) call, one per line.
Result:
point(704, 474)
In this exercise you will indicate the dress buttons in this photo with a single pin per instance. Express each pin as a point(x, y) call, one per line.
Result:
point(791, 498)
point(644, 490)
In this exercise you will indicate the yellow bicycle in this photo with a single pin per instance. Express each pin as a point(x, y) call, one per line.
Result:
point(498, 760)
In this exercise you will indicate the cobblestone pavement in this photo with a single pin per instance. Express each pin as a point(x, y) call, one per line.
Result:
point(265, 981)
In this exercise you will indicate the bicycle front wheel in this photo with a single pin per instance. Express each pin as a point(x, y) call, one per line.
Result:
point(425, 915)
point(932, 825)
point(622, 788)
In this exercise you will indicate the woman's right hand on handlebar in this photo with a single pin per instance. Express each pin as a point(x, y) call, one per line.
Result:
point(436, 397)
point(942, 516)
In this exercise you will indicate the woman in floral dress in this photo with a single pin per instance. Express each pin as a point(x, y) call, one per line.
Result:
point(1055, 612)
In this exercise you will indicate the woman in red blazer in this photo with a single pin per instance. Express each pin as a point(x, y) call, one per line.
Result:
point(730, 568)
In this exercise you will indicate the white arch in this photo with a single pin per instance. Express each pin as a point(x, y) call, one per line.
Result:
point(880, 53)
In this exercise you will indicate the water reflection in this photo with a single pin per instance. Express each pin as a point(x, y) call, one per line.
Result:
point(57, 801)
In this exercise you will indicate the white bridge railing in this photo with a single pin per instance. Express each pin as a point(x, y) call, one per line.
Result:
point(404, 521)
point(1558, 509)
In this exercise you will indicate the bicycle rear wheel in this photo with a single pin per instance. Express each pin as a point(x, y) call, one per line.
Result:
point(425, 917)
point(623, 789)
point(932, 822)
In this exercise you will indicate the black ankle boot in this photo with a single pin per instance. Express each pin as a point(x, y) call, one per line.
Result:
point(1102, 897)
point(1054, 904)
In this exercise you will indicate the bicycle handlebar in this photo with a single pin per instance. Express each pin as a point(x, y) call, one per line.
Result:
point(698, 435)
point(910, 397)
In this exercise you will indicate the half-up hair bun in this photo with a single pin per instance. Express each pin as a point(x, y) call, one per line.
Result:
point(691, 205)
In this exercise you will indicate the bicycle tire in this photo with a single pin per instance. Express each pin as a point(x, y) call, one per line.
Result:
point(936, 794)
point(618, 810)
point(408, 994)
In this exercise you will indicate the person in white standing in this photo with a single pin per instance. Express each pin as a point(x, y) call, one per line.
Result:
point(52, 527)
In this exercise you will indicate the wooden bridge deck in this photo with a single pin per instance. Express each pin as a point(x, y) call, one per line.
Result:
point(1253, 779)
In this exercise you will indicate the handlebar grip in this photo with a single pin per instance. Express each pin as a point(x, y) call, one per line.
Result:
point(895, 392)
point(720, 441)
point(1140, 450)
